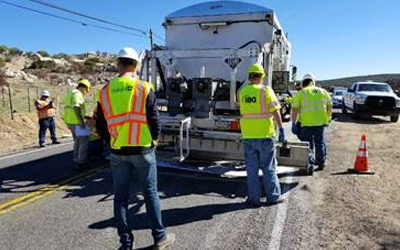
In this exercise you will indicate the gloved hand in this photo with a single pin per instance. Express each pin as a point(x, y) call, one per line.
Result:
point(295, 129)
point(281, 135)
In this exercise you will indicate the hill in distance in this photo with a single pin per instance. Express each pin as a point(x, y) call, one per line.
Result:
point(392, 79)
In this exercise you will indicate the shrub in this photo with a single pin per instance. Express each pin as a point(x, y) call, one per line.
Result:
point(61, 56)
point(91, 62)
point(3, 49)
point(43, 53)
point(2, 62)
point(3, 79)
point(15, 52)
point(43, 65)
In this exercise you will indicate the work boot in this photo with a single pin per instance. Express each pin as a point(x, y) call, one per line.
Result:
point(321, 167)
point(125, 247)
point(167, 241)
point(252, 204)
point(280, 200)
point(80, 166)
point(56, 142)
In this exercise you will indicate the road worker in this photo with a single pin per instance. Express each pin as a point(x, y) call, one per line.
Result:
point(259, 108)
point(74, 117)
point(46, 115)
point(127, 111)
point(312, 107)
point(297, 86)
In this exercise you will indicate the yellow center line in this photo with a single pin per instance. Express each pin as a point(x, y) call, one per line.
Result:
point(46, 191)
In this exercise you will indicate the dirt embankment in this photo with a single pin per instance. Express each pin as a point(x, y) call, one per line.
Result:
point(22, 132)
point(360, 211)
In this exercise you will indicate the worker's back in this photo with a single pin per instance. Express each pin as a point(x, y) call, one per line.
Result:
point(73, 99)
point(123, 102)
point(312, 103)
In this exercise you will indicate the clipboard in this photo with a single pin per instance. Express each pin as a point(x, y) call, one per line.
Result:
point(79, 131)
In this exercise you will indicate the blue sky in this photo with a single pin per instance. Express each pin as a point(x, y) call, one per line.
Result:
point(332, 39)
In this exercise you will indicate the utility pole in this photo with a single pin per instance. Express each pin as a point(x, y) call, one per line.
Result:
point(151, 38)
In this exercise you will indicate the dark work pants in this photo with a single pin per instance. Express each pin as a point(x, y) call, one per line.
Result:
point(45, 124)
point(316, 137)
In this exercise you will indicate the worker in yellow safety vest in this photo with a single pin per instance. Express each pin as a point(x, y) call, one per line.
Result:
point(127, 114)
point(259, 108)
point(46, 114)
point(74, 117)
point(312, 108)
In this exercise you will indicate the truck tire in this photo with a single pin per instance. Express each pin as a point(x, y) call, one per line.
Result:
point(394, 118)
point(356, 115)
point(344, 110)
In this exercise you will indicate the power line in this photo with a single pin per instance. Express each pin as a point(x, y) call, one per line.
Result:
point(70, 19)
point(143, 32)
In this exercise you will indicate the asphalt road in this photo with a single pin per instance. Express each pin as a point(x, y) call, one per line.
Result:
point(45, 204)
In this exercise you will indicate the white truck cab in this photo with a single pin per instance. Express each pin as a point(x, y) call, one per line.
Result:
point(371, 98)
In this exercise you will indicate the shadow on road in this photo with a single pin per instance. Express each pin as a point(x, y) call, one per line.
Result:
point(172, 185)
point(31, 175)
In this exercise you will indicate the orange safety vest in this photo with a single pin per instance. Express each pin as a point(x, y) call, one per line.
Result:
point(44, 111)
point(123, 102)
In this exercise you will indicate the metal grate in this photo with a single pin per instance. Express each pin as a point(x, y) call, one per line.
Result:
point(380, 102)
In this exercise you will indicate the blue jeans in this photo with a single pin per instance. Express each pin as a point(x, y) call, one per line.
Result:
point(146, 167)
point(260, 154)
point(316, 137)
point(45, 124)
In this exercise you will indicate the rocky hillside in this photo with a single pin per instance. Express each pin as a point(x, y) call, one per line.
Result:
point(18, 67)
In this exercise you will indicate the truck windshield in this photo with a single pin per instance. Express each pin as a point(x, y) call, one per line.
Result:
point(374, 87)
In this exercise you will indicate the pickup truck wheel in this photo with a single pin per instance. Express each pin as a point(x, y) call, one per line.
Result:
point(344, 110)
point(394, 118)
point(356, 115)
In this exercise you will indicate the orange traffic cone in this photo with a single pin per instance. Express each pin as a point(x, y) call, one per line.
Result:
point(361, 164)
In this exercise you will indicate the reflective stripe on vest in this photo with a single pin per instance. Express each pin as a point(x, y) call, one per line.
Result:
point(313, 103)
point(43, 112)
point(136, 118)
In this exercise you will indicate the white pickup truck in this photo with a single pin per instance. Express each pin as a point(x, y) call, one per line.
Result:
point(371, 98)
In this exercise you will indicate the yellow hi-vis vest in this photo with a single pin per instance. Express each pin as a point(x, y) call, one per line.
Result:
point(312, 103)
point(257, 103)
point(74, 97)
point(123, 101)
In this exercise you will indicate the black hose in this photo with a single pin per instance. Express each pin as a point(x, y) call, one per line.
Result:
point(248, 43)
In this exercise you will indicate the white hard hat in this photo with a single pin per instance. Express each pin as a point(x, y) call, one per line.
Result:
point(129, 53)
point(45, 93)
point(309, 76)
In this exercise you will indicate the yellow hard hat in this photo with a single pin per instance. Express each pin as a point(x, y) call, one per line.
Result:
point(256, 69)
point(86, 83)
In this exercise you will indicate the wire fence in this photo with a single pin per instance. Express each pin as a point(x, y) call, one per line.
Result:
point(20, 99)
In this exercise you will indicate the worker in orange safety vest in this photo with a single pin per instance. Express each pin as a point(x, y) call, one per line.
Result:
point(46, 115)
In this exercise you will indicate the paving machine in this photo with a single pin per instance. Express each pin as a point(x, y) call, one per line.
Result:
point(197, 75)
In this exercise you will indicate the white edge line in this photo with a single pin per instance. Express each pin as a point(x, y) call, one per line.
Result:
point(276, 235)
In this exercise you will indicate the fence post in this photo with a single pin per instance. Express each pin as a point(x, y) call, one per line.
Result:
point(29, 100)
point(11, 106)
point(3, 98)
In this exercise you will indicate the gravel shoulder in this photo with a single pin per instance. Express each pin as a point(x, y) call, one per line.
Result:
point(360, 211)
